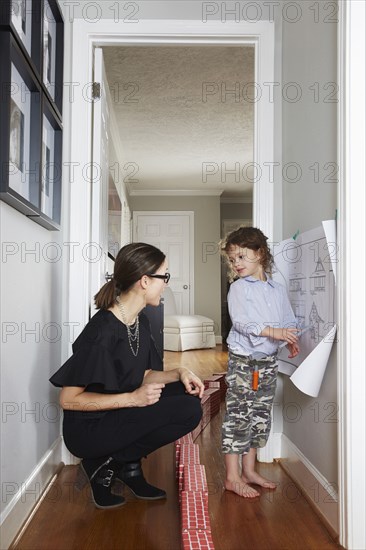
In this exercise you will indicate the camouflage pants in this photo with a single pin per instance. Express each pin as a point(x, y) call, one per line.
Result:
point(247, 420)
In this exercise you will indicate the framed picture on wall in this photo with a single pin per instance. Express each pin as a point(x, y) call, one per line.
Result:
point(52, 48)
point(19, 134)
point(30, 139)
point(19, 130)
point(16, 145)
point(23, 18)
point(51, 167)
point(31, 80)
point(48, 152)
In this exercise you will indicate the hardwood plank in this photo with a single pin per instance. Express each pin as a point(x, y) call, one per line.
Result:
point(67, 518)
point(277, 520)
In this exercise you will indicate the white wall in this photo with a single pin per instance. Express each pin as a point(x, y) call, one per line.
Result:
point(309, 138)
point(122, 192)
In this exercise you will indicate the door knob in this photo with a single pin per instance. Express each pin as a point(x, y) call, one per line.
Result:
point(185, 287)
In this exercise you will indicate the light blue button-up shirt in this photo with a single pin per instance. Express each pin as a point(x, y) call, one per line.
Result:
point(254, 305)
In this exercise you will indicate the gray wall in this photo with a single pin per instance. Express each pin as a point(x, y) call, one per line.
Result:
point(165, 9)
point(206, 256)
point(309, 56)
point(236, 211)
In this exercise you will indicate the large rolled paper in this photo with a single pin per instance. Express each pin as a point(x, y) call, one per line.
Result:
point(307, 267)
point(309, 375)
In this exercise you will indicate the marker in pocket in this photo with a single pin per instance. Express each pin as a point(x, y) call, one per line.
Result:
point(255, 378)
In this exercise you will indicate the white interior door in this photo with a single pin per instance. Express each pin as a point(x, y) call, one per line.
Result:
point(100, 175)
point(171, 232)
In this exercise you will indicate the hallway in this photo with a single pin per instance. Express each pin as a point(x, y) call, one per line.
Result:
point(307, 94)
point(278, 520)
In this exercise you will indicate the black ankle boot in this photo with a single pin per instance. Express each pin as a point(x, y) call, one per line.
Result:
point(101, 476)
point(130, 473)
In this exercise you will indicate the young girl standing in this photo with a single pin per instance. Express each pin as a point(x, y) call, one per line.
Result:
point(261, 317)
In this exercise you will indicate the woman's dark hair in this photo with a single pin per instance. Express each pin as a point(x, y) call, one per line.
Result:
point(248, 237)
point(133, 261)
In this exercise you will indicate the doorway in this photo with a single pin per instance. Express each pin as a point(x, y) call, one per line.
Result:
point(176, 141)
point(260, 37)
point(173, 233)
point(186, 120)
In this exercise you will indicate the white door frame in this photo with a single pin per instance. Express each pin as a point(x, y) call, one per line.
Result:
point(99, 199)
point(190, 215)
point(351, 274)
point(86, 36)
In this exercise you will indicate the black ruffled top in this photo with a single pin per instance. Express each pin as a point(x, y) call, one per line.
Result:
point(102, 359)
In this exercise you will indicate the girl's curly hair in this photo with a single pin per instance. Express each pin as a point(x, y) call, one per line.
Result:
point(247, 237)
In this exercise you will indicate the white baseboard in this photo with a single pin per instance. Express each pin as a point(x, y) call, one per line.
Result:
point(218, 339)
point(316, 488)
point(28, 494)
point(68, 458)
point(272, 450)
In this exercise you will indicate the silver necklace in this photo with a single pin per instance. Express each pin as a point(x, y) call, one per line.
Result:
point(133, 330)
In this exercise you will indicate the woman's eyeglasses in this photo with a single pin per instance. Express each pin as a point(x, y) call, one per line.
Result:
point(165, 277)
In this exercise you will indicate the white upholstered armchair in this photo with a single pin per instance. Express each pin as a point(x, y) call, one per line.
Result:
point(184, 332)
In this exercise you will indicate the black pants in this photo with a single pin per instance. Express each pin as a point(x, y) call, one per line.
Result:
point(131, 433)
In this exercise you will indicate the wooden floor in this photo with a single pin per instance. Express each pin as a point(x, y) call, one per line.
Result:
point(277, 520)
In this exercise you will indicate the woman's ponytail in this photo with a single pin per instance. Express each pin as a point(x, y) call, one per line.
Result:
point(106, 296)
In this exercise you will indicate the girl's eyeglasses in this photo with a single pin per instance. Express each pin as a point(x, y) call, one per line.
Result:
point(165, 277)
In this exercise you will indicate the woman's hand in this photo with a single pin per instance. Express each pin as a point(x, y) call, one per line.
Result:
point(192, 383)
point(145, 395)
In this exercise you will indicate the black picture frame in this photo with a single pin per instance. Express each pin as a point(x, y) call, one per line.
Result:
point(23, 18)
point(52, 52)
point(51, 168)
point(20, 130)
point(31, 109)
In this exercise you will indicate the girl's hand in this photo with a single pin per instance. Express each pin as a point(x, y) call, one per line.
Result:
point(289, 335)
point(192, 383)
point(147, 394)
point(294, 350)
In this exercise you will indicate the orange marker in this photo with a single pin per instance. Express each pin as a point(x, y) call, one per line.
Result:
point(255, 378)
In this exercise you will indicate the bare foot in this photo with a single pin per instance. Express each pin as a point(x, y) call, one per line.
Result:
point(254, 477)
point(241, 488)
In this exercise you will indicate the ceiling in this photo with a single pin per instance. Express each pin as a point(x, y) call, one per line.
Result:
point(185, 116)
